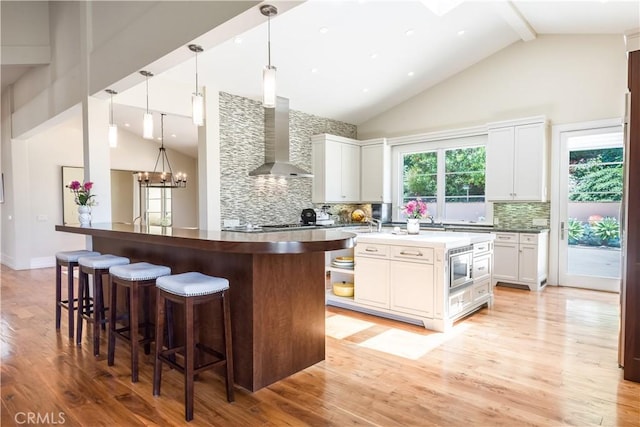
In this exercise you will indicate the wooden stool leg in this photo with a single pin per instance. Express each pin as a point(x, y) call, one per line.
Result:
point(157, 364)
point(97, 311)
point(70, 303)
point(133, 330)
point(111, 352)
point(147, 324)
point(169, 328)
point(58, 294)
point(189, 347)
point(228, 346)
point(82, 291)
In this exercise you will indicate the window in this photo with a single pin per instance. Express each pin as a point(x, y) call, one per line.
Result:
point(159, 206)
point(449, 175)
point(420, 179)
point(464, 184)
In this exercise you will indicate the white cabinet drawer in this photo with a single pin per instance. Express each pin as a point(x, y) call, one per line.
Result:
point(481, 267)
point(459, 301)
point(481, 290)
point(529, 238)
point(412, 254)
point(372, 250)
point(506, 237)
point(481, 248)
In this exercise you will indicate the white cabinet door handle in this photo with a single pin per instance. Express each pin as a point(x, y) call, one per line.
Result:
point(371, 250)
point(411, 253)
point(481, 268)
point(503, 237)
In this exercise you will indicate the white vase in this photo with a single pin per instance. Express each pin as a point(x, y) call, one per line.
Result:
point(84, 215)
point(413, 226)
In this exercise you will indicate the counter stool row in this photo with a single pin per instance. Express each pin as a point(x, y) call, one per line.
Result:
point(189, 289)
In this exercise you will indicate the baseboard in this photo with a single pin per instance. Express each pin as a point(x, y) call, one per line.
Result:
point(43, 262)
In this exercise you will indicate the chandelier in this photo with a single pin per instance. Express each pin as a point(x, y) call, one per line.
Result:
point(162, 175)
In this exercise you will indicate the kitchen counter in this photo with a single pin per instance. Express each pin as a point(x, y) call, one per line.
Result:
point(276, 287)
point(436, 239)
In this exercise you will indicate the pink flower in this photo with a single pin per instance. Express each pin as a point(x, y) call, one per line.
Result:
point(415, 209)
point(82, 192)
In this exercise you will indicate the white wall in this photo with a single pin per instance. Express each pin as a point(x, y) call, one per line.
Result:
point(568, 78)
point(42, 187)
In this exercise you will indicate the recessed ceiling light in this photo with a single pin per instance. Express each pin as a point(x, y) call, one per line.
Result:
point(461, 33)
point(237, 40)
point(374, 55)
point(410, 73)
point(127, 125)
point(323, 30)
point(314, 70)
point(409, 32)
point(159, 139)
point(365, 90)
point(173, 135)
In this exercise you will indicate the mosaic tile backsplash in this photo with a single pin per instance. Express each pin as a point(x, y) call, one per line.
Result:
point(260, 200)
point(520, 215)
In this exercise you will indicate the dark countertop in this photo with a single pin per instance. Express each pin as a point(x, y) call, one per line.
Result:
point(314, 239)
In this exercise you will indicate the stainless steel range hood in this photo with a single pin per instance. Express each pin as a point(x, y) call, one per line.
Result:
point(276, 154)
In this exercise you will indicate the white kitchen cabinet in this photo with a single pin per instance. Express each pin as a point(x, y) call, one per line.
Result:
point(521, 259)
point(411, 288)
point(336, 169)
point(371, 282)
point(375, 175)
point(407, 279)
point(516, 161)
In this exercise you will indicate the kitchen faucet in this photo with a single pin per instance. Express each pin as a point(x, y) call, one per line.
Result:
point(377, 223)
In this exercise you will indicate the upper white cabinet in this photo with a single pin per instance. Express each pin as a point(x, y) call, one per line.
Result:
point(375, 176)
point(517, 161)
point(336, 169)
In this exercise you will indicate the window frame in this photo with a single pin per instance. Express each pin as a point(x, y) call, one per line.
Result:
point(439, 146)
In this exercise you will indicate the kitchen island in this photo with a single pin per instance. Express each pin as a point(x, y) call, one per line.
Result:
point(431, 279)
point(276, 287)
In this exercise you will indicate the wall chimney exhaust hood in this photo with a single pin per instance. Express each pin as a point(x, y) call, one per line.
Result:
point(276, 154)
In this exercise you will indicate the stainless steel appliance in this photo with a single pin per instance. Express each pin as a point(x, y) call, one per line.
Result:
point(460, 266)
point(381, 211)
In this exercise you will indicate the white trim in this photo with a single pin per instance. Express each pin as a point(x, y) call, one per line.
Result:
point(438, 135)
point(556, 165)
point(42, 262)
point(517, 122)
point(632, 40)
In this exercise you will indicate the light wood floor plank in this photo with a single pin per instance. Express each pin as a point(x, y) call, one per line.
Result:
point(534, 359)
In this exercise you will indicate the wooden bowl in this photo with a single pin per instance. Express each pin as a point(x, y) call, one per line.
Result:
point(343, 289)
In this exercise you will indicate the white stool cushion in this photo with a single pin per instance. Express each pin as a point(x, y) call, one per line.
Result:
point(192, 284)
point(139, 271)
point(102, 261)
point(72, 256)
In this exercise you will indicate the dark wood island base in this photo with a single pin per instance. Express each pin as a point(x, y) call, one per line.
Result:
point(276, 287)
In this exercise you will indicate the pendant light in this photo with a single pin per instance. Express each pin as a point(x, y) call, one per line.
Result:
point(162, 175)
point(113, 129)
point(197, 100)
point(147, 122)
point(269, 72)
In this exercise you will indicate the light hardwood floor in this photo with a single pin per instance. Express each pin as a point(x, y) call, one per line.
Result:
point(546, 359)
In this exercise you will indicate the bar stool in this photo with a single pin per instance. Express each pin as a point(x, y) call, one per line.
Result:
point(133, 277)
point(68, 259)
point(191, 289)
point(93, 309)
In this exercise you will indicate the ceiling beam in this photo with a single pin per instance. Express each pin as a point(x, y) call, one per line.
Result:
point(514, 18)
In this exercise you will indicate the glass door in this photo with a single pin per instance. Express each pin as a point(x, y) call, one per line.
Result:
point(591, 182)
